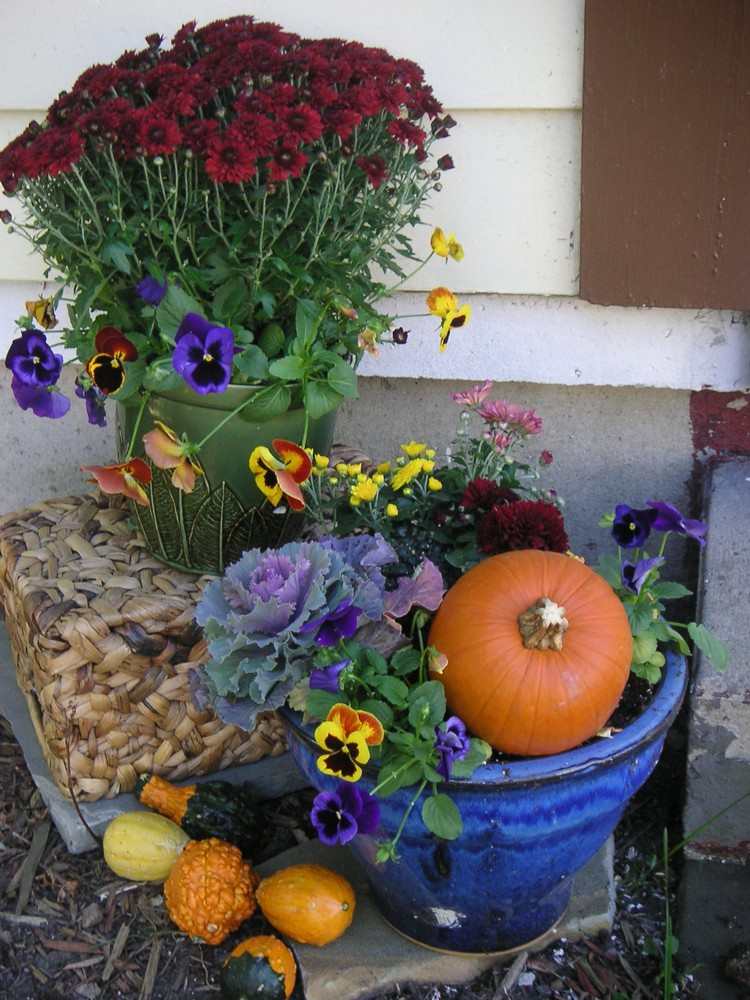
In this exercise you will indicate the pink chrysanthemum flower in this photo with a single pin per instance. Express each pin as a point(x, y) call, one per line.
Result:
point(474, 396)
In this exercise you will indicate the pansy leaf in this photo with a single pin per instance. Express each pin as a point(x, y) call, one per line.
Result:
point(679, 640)
point(640, 617)
point(230, 298)
point(161, 378)
point(134, 374)
point(319, 703)
point(644, 647)
point(172, 309)
point(398, 773)
point(343, 379)
point(441, 816)
point(668, 589)
point(647, 671)
point(711, 647)
point(427, 704)
point(392, 689)
point(320, 399)
point(609, 568)
point(306, 319)
point(267, 403)
point(252, 363)
point(290, 368)
point(405, 661)
point(479, 753)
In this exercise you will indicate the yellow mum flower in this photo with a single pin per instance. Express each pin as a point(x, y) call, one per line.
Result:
point(366, 490)
point(406, 474)
point(378, 478)
point(434, 484)
point(341, 468)
point(322, 461)
point(430, 453)
point(391, 510)
point(441, 301)
point(427, 466)
point(354, 470)
point(413, 449)
point(446, 246)
point(453, 320)
point(384, 467)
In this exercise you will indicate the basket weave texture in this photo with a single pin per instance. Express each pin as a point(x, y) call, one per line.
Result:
point(103, 640)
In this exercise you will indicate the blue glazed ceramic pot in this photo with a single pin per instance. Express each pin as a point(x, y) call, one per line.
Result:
point(529, 826)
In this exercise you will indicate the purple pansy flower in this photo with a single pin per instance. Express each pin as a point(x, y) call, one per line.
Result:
point(634, 574)
point(94, 399)
point(32, 360)
point(340, 815)
point(41, 400)
point(341, 623)
point(668, 518)
point(327, 678)
point(452, 743)
point(151, 290)
point(203, 354)
point(631, 527)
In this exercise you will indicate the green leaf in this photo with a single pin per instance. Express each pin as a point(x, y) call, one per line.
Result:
point(427, 704)
point(441, 816)
point(398, 773)
point(306, 318)
point(647, 671)
point(379, 709)
point(117, 254)
point(609, 568)
point(479, 753)
point(135, 372)
point(607, 520)
point(268, 403)
point(392, 689)
point(173, 308)
point(290, 368)
point(252, 363)
point(640, 617)
point(320, 399)
point(405, 661)
point(711, 647)
point(319, 703)
point(679, 640)
point(160, 378)
point(644, 647)
point(667, 589)
point(230, 298)
point(376, 661)
point(343, 379)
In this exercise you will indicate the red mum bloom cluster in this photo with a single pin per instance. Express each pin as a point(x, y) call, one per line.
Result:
point(244, 97)
point(525, 524)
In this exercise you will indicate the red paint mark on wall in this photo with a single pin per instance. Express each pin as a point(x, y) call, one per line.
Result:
point(720, 423)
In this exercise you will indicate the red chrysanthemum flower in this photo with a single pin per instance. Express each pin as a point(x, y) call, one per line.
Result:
point(55, 151)
point(301, 123)
point(158, 134)
point(341, 120)
point(374, 167)
point(483, 494)
point(97, 81)
point(525, 524)
point(260, 132)
point(197, 134)
point(407, 133)
point(65, 109)
point(230, 159)
point(287, 161)
point(104, 121)
point(127, 140)
point(365, 99)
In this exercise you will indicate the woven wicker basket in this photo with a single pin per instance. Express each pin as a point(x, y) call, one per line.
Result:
point(103, 640)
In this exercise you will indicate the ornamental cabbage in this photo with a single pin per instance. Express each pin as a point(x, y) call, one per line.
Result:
point(258, 619)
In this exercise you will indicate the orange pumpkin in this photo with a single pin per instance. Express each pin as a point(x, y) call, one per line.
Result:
point(539, 651)
point(308, 903)
point(209, 891)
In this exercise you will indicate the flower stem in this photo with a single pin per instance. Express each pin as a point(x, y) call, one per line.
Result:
point(414, 799)
point(305, 431)
point(225, 420)
point(136, 428)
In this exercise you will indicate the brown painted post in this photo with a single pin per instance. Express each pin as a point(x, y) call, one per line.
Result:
point(665, 213)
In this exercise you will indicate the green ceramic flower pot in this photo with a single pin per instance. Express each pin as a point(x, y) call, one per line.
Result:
point(206, 530)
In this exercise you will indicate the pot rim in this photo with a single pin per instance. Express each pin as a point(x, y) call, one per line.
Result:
point(657, 717)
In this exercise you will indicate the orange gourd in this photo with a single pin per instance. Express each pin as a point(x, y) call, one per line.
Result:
point(308, 903)
point(209, 891)
point(259, 967)
point(539, 651)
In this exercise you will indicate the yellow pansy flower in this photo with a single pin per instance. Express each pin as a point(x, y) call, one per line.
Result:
point(453, 320)
point(446, 246)
point(441, 301)
point(347, 736)
point(413, 448)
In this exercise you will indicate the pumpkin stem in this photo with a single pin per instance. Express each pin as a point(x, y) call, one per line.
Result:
point(542, 626)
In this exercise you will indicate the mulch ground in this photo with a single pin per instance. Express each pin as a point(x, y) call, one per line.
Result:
point(69, 928)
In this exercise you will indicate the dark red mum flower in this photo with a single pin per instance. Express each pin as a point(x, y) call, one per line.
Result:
point(341, 120)
point(230, 159)
point(525, 524)
point(403, 131)
point(104, 121)
point(287, 162)
point(301, 123)
point(483, 494)
point(197, 134)
point(374, 167)
point(158, 134)
point(55, 151)
point(96, 82)
point(260, 132)
point(445, 162)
